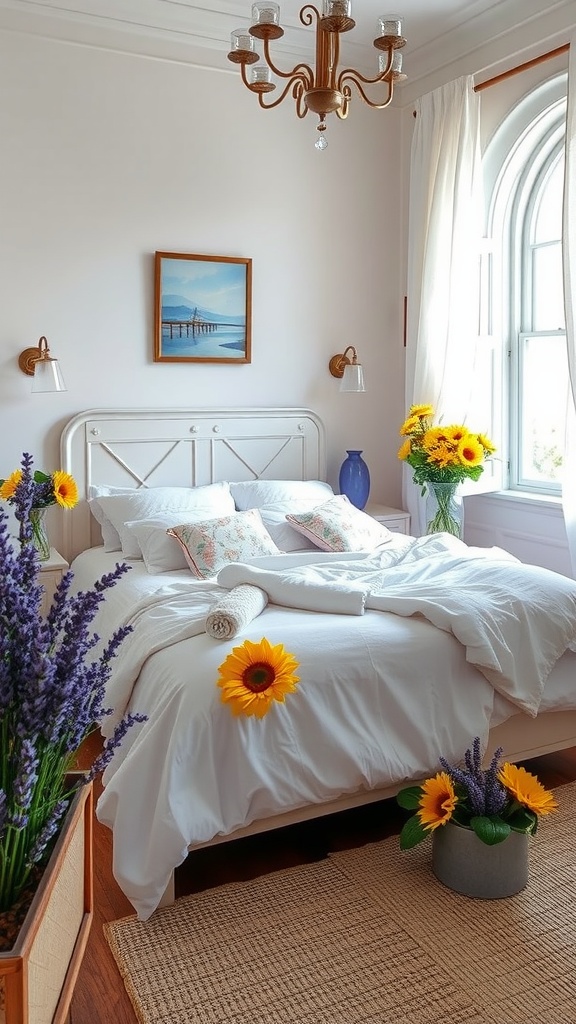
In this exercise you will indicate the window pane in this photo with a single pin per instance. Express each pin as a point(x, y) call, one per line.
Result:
point(548, 218)
point(542, 409)
point(547, 288)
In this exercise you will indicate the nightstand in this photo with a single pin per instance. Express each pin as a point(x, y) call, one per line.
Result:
point(394, 519)
point(50, 573)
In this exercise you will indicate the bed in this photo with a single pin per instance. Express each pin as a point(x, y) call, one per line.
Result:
point(386, 684)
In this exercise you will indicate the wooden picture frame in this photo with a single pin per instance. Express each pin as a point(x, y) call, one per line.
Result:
point(202, 308)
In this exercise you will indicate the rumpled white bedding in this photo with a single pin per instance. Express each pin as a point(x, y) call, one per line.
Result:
point(514, 620)
point(381, 695)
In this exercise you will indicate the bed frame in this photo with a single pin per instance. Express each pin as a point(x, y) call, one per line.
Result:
point(190, 447)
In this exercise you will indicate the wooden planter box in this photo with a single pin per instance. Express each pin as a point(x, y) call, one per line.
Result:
point(39, 972)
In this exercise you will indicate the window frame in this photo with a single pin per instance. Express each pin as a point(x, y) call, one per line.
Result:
point(517, 161)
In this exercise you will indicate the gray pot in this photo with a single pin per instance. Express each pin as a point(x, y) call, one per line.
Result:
point(465, 864)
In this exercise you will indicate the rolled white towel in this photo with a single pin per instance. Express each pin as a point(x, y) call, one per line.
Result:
point(234, 611)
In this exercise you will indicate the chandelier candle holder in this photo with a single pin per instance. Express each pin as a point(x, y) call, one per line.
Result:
point(324, 89)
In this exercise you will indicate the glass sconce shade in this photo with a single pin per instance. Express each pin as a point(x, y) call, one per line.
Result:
point(265, 13)
point(47, 376)
point(353, 378)
point(390, 25)
point(241, 40)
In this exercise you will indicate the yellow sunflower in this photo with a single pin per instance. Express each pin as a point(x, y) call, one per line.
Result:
point(456, 432)
point(486, 443)
point(10, 484)
point(405, 449)
point(255, 674)
point(422, 411)
point(410, 425)
point(65, 489)
point(470, 451)
point(437, 802)
point(527, 789)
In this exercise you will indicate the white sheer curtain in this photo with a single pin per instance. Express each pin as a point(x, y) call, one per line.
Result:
point(569, 254)
point(444, 233)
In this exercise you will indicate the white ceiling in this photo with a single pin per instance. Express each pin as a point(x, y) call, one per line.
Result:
point(439, 33)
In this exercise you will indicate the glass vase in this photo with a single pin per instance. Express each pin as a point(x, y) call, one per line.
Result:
point(444, 511)
point(354, 479)
point(40, 538)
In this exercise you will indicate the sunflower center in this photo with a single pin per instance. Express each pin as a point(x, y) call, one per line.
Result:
point(258, 676)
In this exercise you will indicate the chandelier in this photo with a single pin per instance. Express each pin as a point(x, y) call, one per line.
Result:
point(323, 89)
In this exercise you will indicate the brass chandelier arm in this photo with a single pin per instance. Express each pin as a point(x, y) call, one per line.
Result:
point(351, 77)
point(295, 83)
point(342, 112)
point(302, 71)
point(292, 84)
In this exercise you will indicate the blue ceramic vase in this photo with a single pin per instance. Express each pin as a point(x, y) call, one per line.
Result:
point(354, 479)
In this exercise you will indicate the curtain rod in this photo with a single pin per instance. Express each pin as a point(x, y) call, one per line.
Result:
point(522, 67)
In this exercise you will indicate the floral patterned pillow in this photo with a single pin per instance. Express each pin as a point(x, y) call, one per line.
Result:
point(210, 545)
point(338, 525)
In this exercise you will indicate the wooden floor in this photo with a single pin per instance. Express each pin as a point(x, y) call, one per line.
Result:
point(100, 998)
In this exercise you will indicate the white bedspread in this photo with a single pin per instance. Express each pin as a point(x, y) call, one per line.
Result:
point(514, 620)
point(381, 693)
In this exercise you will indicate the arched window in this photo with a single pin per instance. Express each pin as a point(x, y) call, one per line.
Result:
point(523, 294)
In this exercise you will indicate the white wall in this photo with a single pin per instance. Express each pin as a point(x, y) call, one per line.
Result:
point(107, 157)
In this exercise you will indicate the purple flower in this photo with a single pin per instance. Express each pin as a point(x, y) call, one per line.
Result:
point(52, 689)
point(483, 791)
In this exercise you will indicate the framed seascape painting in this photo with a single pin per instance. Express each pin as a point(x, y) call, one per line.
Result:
point(202, 308)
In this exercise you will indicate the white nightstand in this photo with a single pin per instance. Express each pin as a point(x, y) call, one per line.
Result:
point(394, 519)
point(51, 573)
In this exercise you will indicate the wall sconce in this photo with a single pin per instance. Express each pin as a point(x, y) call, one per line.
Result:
point(349, 370)
point(39, 364)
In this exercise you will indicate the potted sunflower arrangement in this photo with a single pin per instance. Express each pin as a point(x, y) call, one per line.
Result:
point(442, 458)
point(52, 692)
point(480, 820)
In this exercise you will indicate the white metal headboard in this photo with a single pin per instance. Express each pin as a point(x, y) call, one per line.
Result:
point(186, 448)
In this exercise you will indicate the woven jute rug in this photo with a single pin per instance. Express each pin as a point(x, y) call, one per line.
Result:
point(366, 936)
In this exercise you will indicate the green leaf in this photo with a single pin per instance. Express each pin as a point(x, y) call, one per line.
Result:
point(523, 820)
point(490, 830)
point(40, 477)
point(412, 833)
point(409, 798)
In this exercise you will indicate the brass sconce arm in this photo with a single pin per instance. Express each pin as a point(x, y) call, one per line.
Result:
point(339, 362)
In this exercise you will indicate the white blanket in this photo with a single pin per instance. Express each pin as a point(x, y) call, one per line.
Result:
point(514, 620)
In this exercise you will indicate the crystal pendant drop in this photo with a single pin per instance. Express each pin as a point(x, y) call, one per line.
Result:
point(320, 142)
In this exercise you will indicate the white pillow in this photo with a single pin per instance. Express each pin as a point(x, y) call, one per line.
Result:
point(160, 551)
point(284, 535)
point(210, 545)
point(338, 525)
point(257, 493)
point(109, 534)
point(206, 502)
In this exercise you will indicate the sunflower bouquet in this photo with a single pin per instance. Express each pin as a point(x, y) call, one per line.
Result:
point(437, 454)
point(492, 802)
point(42, 490)
point(45, 489)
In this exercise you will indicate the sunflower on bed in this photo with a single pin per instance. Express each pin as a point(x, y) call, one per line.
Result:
point(255, 674)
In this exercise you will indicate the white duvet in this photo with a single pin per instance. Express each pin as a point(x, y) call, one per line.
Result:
point(409, 653)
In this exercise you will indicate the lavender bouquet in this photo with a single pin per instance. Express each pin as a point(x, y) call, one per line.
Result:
point(52, 687)
point(492, 801)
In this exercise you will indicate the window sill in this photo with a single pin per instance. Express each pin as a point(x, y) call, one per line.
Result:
point(547, 503)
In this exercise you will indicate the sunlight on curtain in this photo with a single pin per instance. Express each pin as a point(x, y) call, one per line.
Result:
point(444, 236)
point(569, 258)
